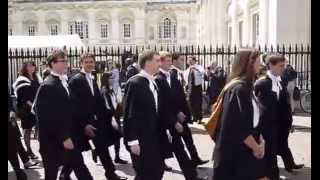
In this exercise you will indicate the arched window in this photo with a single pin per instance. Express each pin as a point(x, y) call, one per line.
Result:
point(167, 29)
point(31, 28)
point(53, 27)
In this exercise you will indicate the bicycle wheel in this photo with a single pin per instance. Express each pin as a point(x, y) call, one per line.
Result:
point(305, 101)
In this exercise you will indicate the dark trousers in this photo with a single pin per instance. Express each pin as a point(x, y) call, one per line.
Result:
point(188, 140)
point(196, 103)
point(184, 161)
point(147, 170)
point(13, 158)
point(104, 157)
point(228, 171)
point(72, 158)
point(22, 152)
point(270, 160)
point(284, 150)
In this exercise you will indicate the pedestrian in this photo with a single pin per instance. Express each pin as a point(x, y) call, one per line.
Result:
point(113, 104)
point(194, 89)
point(141, 120)
point(133, 67)
point(289, 77)
point(15, 146)
point(170, 121)
point(217, 79)
point(25, 88)
point(91, 116)
point(180, 107)
point(239, 145)
point(276, 116)
point(54, 110)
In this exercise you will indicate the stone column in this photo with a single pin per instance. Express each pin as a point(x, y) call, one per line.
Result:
point(116, 31)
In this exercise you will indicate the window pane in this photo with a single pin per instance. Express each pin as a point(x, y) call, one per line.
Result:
point(31, 30)
point(104, 30)
point(167, 28)
point(53, 29)
point(126, 31)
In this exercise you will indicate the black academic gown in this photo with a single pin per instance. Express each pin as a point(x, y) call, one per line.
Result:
point(216, 84)
point(142, 123)
point(236, 124)
point(276, 124)
point(90, 109)
point(54, 110)
point(131, 71)
point(180, 103)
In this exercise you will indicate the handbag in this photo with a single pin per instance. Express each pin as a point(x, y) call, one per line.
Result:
point(214, 119)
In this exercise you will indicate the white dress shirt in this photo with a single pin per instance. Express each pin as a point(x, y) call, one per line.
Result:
point(276, 85)
point(63, 78)
point(90, 79)
point(167, 76)
point(256, 113)
point(198, 75)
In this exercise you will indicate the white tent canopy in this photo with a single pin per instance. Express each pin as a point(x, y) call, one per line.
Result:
point(58, 41)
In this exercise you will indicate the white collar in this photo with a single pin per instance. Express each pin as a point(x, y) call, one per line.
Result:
point(174, 67)
point(273, 77)
point(147, 75)
point(87, 74)
point(62, 77)
point(164, 72)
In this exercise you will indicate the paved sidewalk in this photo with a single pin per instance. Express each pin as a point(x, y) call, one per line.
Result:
point(299, 141)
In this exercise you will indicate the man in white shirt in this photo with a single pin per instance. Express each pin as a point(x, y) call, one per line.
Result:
point(194, 90)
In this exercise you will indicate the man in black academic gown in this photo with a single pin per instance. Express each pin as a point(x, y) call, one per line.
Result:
point(92, 120)
point(194, 91)
point(276, 117)
point(54, 111)
point(132, 69)
point(180, 107)
point(142, 128)
point(169, 118)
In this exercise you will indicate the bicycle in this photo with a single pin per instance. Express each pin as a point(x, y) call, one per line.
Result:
point(305, 101)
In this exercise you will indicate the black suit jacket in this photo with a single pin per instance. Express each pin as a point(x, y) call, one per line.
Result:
point(54, 112)
point(90, 109)
point(179, 102)
point(141, 120)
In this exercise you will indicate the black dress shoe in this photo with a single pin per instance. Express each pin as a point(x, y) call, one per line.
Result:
point(116, 177)
point(298, 166)
point(120, 161)
point(94, 156)
point(200, 162)
point(29, 164)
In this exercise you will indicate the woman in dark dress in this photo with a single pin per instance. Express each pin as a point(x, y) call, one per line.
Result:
point(239, 145)
point(26, 87)
point(113, 104)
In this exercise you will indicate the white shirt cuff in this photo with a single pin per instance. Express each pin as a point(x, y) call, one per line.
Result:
point(134, 142)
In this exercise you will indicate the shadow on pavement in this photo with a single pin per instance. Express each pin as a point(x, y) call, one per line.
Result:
point(298, 128)
point(31, 173)
point(302, 174)
point(126, 169)
point(196, 130)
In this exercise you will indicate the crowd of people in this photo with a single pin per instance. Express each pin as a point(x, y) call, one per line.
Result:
point(79, 112)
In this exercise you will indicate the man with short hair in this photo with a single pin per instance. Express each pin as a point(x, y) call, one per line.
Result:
point(142, 129)
point(275, 116)
point(180, 106)
point(92, 120)
point(54, 111)
point(194, 90)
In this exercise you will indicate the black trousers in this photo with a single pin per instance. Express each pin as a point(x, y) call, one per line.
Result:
point(22, 152)
point(151, 170)
point(284, 150)
point(104, 156)
point(270, 160)
point(72, 158)
point(187, 138)
point(196, 103)
point(184, 161)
